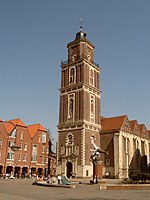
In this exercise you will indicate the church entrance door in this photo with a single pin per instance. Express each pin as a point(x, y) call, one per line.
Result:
point(69, 169)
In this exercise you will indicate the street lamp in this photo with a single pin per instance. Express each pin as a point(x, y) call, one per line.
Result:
point(50, 156)
point(13, 147)
point(96, 161)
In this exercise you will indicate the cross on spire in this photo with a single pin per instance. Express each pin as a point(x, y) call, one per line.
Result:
point(81, 24)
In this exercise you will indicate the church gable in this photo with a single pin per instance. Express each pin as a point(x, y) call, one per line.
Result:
point(135, 127)
point(143, 131)
point(126, 125)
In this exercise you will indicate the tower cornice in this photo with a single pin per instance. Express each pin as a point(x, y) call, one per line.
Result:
point(81, 59)
point(81, 86)
point(78, 125)
point(75, 42)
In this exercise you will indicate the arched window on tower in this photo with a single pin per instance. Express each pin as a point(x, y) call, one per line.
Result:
point(71, 108)
point(71, 105)
point(92, 108)
point(72, 75)
point(91, 77)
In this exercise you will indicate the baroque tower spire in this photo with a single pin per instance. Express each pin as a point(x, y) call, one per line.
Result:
point(79, 111)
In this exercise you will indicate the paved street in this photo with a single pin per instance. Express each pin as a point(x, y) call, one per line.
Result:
point(24, 190)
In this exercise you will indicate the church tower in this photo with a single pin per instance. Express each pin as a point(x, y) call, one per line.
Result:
point(79, 112)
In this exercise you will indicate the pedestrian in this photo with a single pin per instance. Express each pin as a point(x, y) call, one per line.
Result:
point(59, 179)
point(48, 180)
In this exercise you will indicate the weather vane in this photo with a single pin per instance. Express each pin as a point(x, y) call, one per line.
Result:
point(81, 24)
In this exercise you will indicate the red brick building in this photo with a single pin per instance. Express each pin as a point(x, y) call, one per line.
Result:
point(3, 147)
point(24, 149)
point(40, 148)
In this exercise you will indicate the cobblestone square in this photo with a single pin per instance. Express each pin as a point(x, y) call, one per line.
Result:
point(22, 189)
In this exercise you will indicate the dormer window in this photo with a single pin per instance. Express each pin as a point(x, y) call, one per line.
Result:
point(13, 134)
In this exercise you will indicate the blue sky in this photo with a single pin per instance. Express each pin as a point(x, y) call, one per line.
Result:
point(33, 39)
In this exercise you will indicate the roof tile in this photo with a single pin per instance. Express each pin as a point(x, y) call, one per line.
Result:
point(11, 124)
point(33, 129)
point(112, 123)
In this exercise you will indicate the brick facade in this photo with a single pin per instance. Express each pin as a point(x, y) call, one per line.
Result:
point(79, 109)
point(27, 159)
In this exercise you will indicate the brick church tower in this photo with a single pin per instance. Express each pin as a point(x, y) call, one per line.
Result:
point(79, 112)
